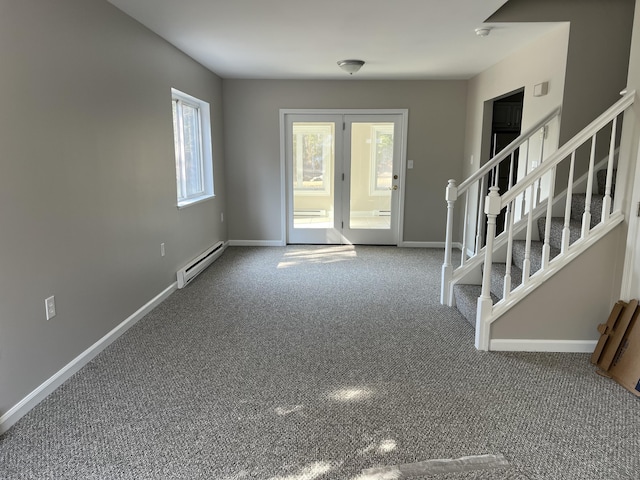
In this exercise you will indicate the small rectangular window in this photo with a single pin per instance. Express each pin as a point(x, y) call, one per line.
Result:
point(192, 141)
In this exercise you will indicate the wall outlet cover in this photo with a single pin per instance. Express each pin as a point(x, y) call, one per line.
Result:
point(50, 307)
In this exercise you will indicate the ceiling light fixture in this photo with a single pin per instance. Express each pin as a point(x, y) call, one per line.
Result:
point(483, 31)
point(350, 66)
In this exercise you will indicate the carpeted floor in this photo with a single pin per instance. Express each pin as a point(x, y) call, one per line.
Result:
point(317, 363)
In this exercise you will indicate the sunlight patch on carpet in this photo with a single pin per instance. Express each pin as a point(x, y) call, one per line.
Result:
point(350, 394)
point(283, 411)
point(318, 255)
point(435, 467)
point(309, 472)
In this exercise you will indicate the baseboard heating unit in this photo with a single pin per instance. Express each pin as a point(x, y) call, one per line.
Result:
point(198, 264)
point(309, 213)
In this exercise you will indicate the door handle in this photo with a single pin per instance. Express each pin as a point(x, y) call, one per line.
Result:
point(395, 187)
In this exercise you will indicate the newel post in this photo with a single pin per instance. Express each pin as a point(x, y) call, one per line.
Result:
point(492, 209)
point(451, 195)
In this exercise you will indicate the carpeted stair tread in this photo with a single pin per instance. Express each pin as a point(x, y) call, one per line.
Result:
point(498, 271)
point(519, 249)
point(578, 203)
point(557, 225)
point(466, 297)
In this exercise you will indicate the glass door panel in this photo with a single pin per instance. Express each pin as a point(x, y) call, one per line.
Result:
point(313, 154)
point(372, 170)
point(313, 167)
point(371, 175)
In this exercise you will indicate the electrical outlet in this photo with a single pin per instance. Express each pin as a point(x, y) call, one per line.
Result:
point(409, 164)
point(162, 249)
point(50, 307)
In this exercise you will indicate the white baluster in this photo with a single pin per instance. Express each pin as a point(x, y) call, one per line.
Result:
point(526, 172)
point(451, 195)
point(512, 205)
point(566, 231)
point(546, 247)
point(606, 201)
point(586, 216)
point(480, 223)
point(474, 230)
point(509, 227)
point(540, 160)
point(526, 264)
point(485, 304)
point(465, 224)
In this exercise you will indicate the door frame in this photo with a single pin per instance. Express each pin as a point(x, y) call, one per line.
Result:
point(404, 114)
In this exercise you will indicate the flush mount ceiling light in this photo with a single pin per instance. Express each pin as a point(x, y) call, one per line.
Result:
point(350, 66)
point(483, 31)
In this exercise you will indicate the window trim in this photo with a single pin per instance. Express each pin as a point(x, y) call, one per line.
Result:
point(205, 150)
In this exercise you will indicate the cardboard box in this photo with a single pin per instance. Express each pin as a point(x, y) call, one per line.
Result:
point(617, 353)
point(607, 346)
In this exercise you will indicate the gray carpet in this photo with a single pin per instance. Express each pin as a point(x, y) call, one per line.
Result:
point(317, 363)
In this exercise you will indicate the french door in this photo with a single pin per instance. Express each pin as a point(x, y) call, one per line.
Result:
point(343, 177)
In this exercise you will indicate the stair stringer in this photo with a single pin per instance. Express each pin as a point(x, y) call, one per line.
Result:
point(546, 277)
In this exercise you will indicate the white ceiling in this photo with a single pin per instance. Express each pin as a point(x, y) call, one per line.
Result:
point(295, 39)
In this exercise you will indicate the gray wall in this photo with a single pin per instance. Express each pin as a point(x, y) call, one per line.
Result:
point(544, 60)
point(598, 52)
point(87, 183)
point(251, 118)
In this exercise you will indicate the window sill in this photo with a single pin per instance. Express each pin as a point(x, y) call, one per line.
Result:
point(194, 201)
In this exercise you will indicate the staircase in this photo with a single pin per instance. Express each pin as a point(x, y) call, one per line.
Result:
point(466, 295)
point(503, 263)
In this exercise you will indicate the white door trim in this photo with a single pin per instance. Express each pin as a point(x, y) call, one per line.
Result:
point(283, 180)
point(403, 112)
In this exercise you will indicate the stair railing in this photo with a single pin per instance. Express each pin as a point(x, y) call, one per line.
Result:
point(528, 186)
point(483, 179)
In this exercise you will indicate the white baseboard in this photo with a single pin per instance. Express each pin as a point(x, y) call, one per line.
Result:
point(280, 243)
point(20, 409)
point(256, 243)
point(523, 345)
point(428, 245)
